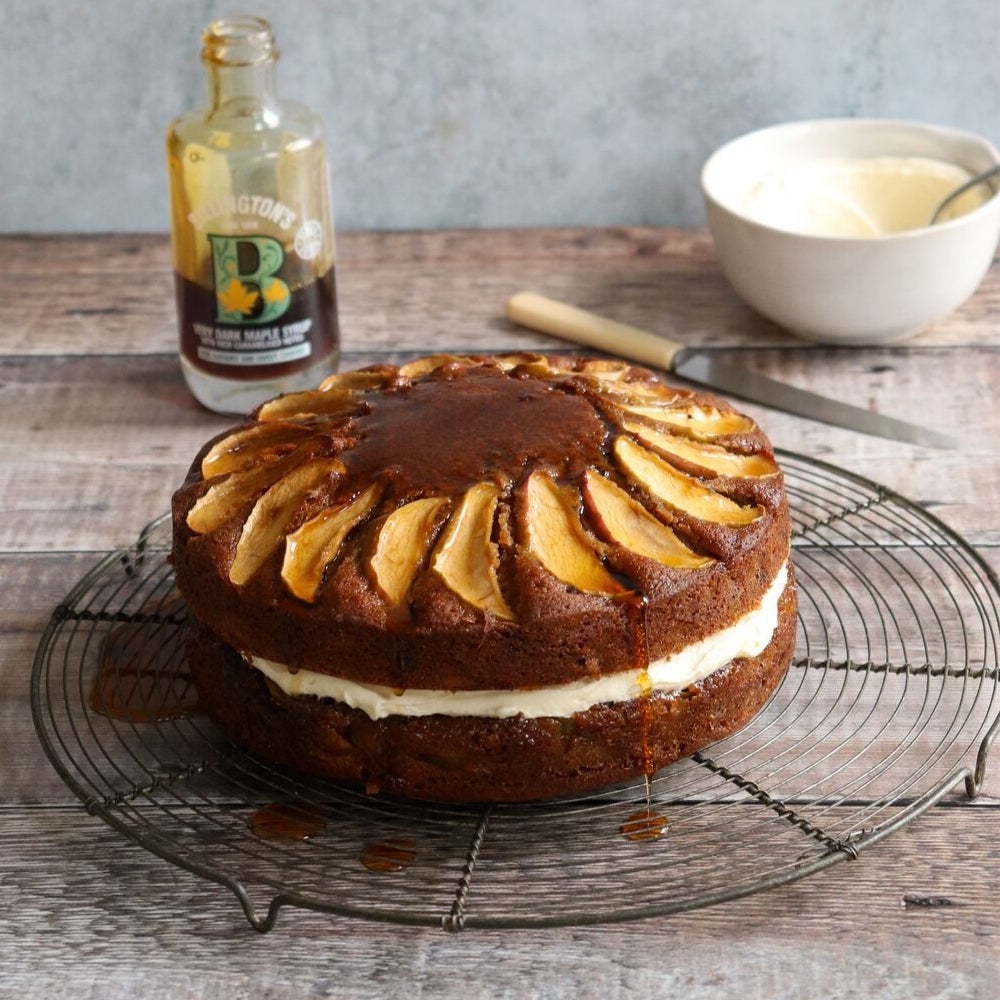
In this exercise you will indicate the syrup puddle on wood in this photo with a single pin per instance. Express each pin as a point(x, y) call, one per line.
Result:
point(389, 856)
point(644, 824)
point(142, 677)
point(286, 822)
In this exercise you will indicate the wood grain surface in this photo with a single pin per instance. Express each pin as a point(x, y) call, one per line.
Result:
point(98, 429)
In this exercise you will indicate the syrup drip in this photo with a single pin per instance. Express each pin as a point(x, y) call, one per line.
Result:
point(645, 720)
point(389, 856)
point(645, 688)
point(284, 822)
point(644, 824)
point(139, 679)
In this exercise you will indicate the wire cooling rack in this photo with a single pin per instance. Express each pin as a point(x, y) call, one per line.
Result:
point(890, 704)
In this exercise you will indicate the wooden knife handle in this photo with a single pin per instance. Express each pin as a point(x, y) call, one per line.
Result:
point(548, 316)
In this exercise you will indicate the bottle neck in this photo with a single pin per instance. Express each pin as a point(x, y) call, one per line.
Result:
point(245, 91)
point(240, 55)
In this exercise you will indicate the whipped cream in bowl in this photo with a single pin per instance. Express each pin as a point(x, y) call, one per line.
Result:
point(824, 226)
point(859, 196)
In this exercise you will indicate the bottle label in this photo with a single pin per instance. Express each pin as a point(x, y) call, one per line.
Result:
point(251, 318)
point(244, 275)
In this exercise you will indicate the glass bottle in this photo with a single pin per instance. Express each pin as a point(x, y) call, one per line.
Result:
point(252, 230)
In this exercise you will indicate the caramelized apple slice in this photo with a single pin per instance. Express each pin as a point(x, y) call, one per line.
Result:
point(238, 450)
point(701, 422)
point(605, 369)
point(706, 456)
point(266, 524)
point(466, 557)
point(402, 546)
point(316, 544)
point(309, 403)
point(557, 539)
point(424, 366)
point(361, 380)
point(225, 497)
point(621, 519)
point(635, 393)
point(520, 358)
point(529, 363)
point(678, 490)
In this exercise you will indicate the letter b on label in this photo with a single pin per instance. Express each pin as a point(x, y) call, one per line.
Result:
point(244, 270)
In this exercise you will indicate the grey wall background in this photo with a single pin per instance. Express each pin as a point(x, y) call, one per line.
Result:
point(479, 113)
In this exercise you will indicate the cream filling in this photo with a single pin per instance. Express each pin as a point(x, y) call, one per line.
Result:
point(748, 636)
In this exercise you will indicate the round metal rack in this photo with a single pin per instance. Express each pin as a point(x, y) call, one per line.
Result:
point(890, 705)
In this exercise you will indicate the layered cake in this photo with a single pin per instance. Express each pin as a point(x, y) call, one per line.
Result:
point(477, 579)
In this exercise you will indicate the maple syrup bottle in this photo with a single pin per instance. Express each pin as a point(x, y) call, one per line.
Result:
point(252, 230)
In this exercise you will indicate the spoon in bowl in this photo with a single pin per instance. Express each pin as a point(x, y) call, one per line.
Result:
point(986, 175)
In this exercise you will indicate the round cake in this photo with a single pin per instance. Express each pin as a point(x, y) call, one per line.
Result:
point(475, 579)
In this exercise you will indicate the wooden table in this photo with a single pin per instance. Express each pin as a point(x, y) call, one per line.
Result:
point(97, 431)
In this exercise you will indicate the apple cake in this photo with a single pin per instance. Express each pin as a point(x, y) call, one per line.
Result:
point(486, 578)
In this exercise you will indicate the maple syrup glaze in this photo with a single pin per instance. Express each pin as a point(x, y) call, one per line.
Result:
point(389, 856)
point(138, 677)
point(440, 436)
point(285, 822)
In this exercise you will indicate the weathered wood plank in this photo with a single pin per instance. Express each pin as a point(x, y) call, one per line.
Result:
point(33, 586)
point(89, 915)
point(400, 290)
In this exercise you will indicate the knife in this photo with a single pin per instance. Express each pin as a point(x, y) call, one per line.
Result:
point(560, 320)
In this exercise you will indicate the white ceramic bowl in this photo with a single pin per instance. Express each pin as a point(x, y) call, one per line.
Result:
point(849, 290)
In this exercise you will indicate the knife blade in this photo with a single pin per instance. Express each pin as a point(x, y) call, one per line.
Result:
point(702, 367)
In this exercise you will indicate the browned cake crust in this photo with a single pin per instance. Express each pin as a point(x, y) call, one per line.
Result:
point(472, 759)
point(481, 523)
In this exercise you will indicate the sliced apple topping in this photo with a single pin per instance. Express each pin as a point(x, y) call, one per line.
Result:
point(624, 394)
point(402, 546)
point(605, 369)
point(706, 456)
point(556, 537)
point(527, 363)
point(316, 544)
point(265, 526)
point(362, 379)
point(466, 556)
point(506, 362)
point(677, 489)
point(701, 422)
point(309, 403)
point(621, 519)
point(424, 366)
point(237, 451)
point(224, 498)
